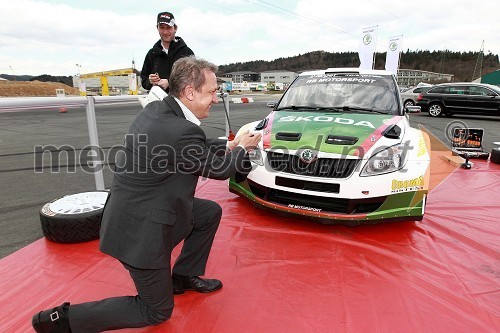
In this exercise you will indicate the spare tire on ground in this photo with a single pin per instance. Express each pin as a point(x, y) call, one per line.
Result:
point(495, 155)
point(73, 218)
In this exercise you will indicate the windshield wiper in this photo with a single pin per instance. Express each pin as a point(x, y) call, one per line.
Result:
point(308, 107)
point(329, 108)
point(297, 107)
point(350, 108)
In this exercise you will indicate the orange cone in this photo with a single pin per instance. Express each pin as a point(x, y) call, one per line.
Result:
point(63, 110)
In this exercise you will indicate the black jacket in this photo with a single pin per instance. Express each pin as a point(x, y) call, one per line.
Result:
point(153, 189)
point(156, 61)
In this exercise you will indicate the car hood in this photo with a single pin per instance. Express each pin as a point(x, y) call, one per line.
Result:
point(339, 133)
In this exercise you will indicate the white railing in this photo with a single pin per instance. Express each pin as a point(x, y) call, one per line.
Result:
point(14, 104)
point(31, 103)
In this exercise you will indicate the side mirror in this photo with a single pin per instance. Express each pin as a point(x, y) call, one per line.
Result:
point(413, 109)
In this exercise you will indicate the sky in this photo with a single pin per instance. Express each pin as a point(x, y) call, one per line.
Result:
point(68, 37)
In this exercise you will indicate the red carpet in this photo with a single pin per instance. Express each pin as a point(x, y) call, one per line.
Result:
point(286, 275)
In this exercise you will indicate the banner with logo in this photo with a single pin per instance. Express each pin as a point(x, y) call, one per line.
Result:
point(82, 86)
point(132, 83)
point(367, 47)
point(393, 52)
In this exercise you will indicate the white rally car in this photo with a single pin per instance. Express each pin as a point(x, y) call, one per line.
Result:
point(338, 149)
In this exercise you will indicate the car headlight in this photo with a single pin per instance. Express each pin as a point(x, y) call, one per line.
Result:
point(385, 161)
point(255, 156)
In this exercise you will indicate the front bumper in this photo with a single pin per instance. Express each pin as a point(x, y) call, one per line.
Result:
point(397, 196)
point(408, 206)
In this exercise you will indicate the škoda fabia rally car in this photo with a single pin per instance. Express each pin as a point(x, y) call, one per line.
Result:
point(338, 149)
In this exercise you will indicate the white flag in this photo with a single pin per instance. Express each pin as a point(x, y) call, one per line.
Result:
point(393, 51)
point(367, 47)
point(82, 87)
point(132, 82)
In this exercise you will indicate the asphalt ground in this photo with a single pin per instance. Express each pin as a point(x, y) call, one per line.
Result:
point(25, 137)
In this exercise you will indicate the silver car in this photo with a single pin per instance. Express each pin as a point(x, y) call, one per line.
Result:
point(272, 104)
point(409, 96)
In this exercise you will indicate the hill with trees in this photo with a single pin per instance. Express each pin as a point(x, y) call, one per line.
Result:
point(460, 64)
point(67, 80)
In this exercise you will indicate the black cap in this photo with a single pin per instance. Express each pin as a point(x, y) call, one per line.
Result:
point(166, 18)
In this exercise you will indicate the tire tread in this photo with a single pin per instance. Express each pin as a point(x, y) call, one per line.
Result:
point(73, 230)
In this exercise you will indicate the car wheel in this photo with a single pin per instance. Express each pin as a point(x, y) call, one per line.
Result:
point(409, 103)
point(495, 156)
point(436, 109)
point(73, 218)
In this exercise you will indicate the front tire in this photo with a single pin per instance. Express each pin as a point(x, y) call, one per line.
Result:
point(73, 218)
point(408, 103)
point(436, 109)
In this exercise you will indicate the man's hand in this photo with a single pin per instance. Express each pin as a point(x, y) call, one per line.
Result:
point(157, 81)
point(249, 140)
point(231, 144)
point(163, 83)
point(154, 79)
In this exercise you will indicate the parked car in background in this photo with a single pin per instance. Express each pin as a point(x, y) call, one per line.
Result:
point(409, 96)
point(272, 104)
point(461, 98)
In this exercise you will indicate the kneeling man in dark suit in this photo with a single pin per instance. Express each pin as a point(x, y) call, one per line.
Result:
point(152, 208)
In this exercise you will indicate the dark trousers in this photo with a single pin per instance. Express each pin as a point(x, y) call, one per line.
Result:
point(154, 301)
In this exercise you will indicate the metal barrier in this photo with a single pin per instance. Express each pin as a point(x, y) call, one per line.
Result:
point(11, 104)
point(156, 94)
point(31, 103)
point(225, 101)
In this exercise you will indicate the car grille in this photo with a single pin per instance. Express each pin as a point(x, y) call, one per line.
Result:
point(321, 167)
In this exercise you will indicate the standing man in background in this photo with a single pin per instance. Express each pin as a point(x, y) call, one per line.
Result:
point(161, 57)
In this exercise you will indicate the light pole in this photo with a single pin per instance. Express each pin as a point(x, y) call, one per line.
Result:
point(81, 82)
point(12, 71)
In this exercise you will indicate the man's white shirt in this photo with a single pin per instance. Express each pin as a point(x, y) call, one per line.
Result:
point(187, 113)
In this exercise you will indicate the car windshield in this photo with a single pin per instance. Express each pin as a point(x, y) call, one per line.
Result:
point(342, 92)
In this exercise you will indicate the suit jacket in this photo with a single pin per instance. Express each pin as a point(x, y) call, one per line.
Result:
point(154, 183)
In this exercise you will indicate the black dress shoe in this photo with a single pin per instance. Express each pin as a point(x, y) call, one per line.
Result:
point(182, 283)
point(52, 321)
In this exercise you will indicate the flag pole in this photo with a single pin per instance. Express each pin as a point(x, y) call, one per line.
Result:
point(375, 49)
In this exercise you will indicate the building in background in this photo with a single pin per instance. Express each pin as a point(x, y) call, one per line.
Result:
point(113, 82)
point(253, 81)
point(412, 77)
point(278, 78)
point(491, 78)
point(243, 76)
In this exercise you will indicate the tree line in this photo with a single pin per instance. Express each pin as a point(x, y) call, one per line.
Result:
point(68, 80)
point(461, 64)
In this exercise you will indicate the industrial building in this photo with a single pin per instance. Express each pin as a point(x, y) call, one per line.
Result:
point(412, 77)
point(112, 82)
point(491, 78)
point(243, 76)
point(277, 76)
